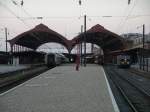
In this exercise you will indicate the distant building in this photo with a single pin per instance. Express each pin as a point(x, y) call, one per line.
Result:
point(131, 36)
point(135, 40)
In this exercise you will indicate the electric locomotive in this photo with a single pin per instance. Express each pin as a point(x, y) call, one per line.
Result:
point(53, 59)
point(123, 61)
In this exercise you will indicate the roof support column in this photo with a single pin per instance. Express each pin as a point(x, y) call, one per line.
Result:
point(81, 46)
point(69, 51)
point(18, 48)
point(84, 40)
point(15, 48)
point(11, 53)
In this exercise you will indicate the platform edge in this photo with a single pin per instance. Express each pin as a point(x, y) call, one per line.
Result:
point(116, 109)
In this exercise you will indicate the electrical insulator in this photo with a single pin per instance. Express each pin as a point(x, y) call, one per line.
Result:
point(129, 2)
point(80, 2)
point(14, 2)
point(22, 3)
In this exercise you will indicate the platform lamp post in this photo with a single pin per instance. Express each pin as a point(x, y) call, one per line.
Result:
point(81, 58)
point(143, 46)
point(138, 53)
point(84, 40)
point(143, 40)
point(6, 32)
point(6, 35)
point(84, 36)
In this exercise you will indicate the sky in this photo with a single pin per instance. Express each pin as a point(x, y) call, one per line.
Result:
point(66, 16)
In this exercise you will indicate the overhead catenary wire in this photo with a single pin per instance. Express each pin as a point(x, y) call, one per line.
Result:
point(37, 37)
point(77, 17)
point(122, 23)
point(14, 14)
point(30, 17)
point(21, 20)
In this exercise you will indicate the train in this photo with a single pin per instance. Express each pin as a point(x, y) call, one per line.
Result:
point(99, 59)
point(55, 59)
point(123, 61)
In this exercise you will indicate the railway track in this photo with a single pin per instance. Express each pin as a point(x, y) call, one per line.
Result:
point(9, 81)
point(137, 98)
point(140, 73)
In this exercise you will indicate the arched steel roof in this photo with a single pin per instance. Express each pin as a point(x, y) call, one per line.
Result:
point(37, 36)
point(41, 34)
point(107, 40)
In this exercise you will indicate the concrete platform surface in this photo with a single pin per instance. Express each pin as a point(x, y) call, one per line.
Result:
point(61, 89)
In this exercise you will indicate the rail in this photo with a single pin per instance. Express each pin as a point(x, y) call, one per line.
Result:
point(134, 95)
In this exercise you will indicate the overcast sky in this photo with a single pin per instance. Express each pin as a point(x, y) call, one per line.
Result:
point(66, 16)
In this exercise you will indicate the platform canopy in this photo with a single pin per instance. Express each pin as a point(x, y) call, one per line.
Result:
point(102, 37)
point(37, 36)
point(41, 34)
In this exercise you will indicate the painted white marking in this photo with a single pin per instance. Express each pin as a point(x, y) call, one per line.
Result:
point(56, 73)
point(141, 80)
point(36, 85)
point(50, 77)
point(111, 94)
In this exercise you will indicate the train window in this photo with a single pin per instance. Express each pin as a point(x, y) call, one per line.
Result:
point(122, 60)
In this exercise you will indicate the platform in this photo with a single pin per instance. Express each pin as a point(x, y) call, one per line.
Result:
point(11, 68)
point(62, 89)
point(137, 67)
